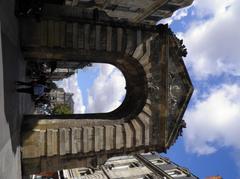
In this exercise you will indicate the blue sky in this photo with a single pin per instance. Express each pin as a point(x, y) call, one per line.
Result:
point(210, 144)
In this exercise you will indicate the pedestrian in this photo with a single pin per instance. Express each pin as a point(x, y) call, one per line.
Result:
point(35, 89)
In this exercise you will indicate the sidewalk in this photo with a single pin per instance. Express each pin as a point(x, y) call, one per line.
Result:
point(12, 104)
point(9, 161)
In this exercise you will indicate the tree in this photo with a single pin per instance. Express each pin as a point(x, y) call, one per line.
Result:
point(60, 109)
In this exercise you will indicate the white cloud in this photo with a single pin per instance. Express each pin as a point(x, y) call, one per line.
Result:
point(211, 8)
point(213, 42)
point(70, 85)
point(107, 91)
point(177, 15)
point(213, 121)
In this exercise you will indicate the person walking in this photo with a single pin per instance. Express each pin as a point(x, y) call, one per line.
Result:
point(35, 89)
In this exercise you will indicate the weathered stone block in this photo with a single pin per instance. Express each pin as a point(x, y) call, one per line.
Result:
point(98, 37)
point(98, 138)
point(64, 141)
point(76, 135)
point(138, 132)
point(75, 35)
point(147, 109)
point(128, 135)
point(50, 33)
point(109, 141)
point(109, 39)
point(145, 121)
point(139, 52)
point(119, 39)
point(86, 36)
point(52, 142)
point(119, 137)
point(87, 139)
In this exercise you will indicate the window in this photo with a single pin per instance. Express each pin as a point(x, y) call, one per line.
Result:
point(175, 173)
point(134, 164)
point(148, 176)
point(158, 162)
point(120, 167)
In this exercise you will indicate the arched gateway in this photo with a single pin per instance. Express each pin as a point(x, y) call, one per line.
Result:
point(157, 83)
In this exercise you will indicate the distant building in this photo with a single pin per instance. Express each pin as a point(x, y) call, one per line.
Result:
point(60, 73)
point(147, 12)
point(59, 96)
point(64, 70)
point(54, 71)
point(142, 166)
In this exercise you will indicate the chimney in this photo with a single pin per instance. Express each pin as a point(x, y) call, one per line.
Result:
point(214, 177)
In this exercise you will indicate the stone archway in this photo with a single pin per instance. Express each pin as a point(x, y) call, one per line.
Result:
point(150, 57)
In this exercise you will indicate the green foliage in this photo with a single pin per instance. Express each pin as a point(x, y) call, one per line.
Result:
point(52, 85)
point(61, 109)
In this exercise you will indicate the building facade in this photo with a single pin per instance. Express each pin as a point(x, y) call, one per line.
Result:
point(140, 11)
point(53, 70)
point(60, 73)
point(59, 96)
point(140, 166)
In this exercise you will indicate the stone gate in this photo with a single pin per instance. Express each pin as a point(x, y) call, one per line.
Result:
point(157, 84)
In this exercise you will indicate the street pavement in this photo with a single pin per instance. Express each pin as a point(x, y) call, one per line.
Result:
point(12, 104)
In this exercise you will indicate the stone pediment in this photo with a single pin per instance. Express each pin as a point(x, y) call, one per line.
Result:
point(180, 90)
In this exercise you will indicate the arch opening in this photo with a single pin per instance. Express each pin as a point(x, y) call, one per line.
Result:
point(122, 96)
point(97, 88)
